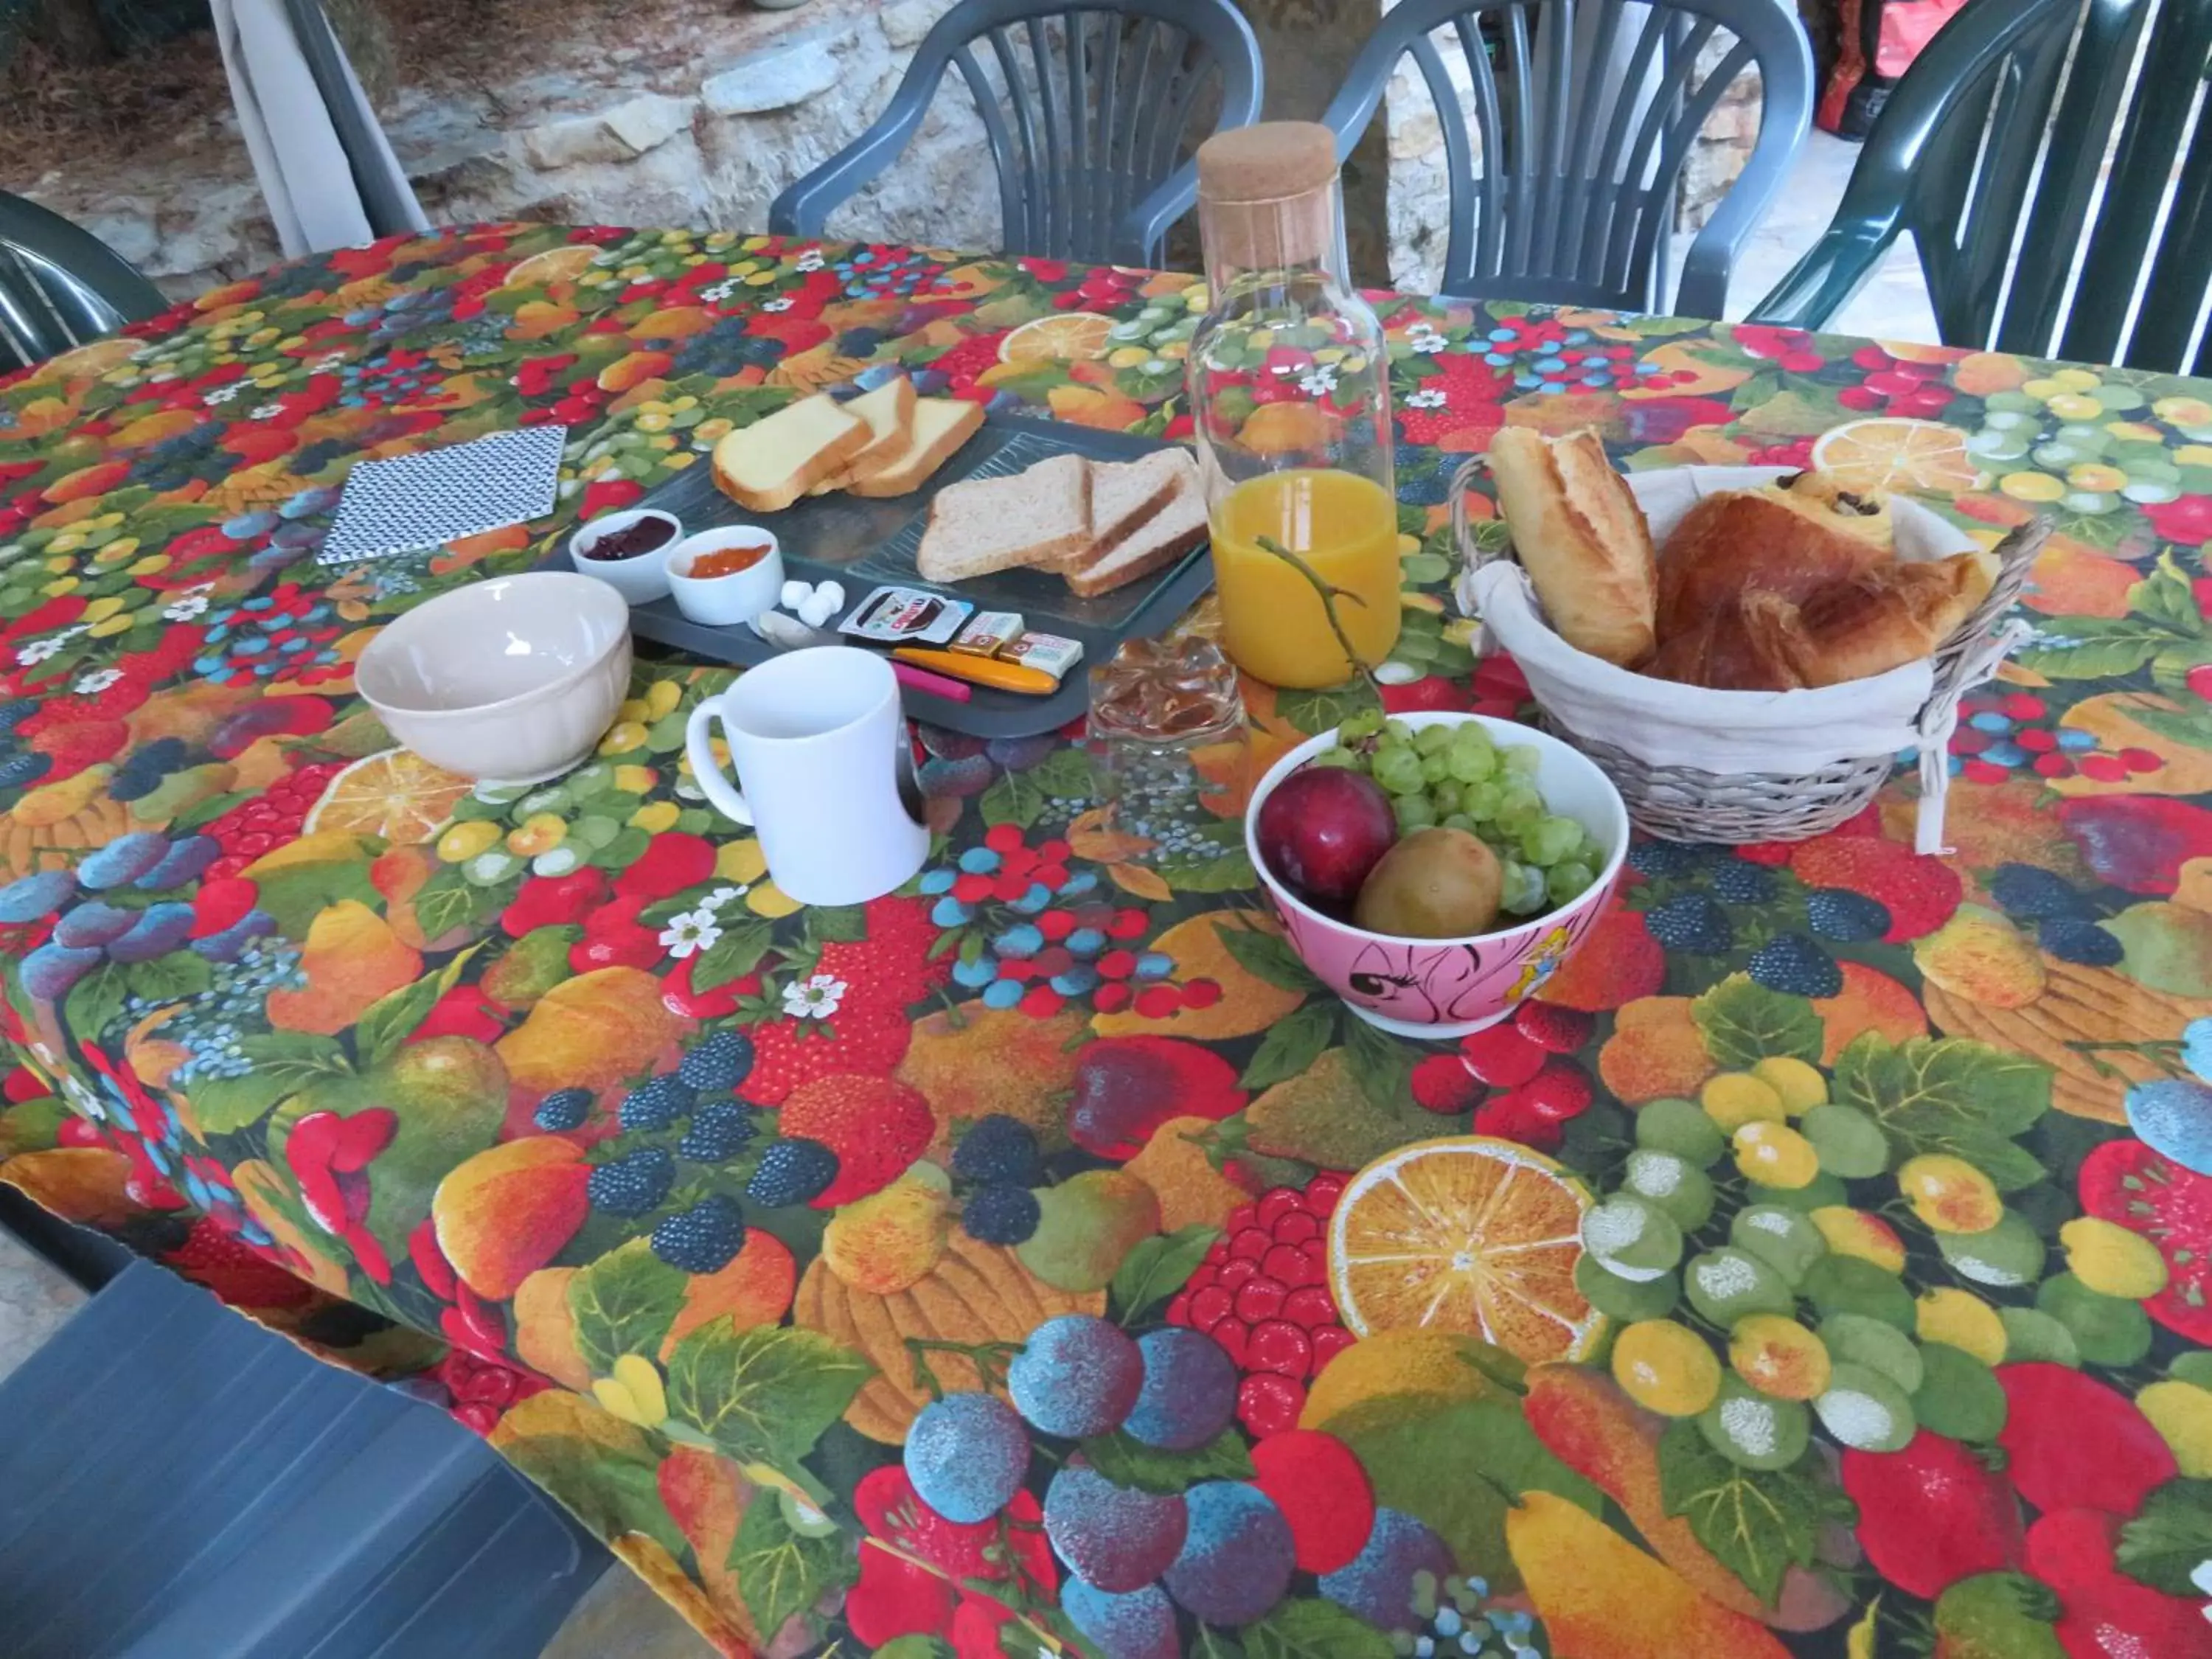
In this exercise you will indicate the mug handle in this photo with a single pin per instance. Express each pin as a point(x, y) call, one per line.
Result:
point(698, 745)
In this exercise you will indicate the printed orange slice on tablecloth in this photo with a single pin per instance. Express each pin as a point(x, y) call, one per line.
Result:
point(395, 794)
point(557, 264)
point(1470, 1234)
point(1894, 454)
point(1072, 335)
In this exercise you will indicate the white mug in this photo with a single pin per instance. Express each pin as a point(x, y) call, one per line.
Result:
point(820, 744)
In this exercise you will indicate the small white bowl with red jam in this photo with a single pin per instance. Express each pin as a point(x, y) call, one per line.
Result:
point(628, 551)
point(724, 578)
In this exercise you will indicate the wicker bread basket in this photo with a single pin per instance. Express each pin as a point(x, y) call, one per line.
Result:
point(1776, 765)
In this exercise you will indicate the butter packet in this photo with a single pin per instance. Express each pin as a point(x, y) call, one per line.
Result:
point(1047, 652)
point(990, 633)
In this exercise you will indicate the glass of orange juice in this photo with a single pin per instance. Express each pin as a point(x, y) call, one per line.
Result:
point(1289, 387)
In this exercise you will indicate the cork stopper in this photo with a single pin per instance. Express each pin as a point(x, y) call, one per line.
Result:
point(1267, 195)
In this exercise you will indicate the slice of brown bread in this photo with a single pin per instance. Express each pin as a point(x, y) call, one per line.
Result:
point(1124, 496)
point(1037, 517)
point(1155, 543)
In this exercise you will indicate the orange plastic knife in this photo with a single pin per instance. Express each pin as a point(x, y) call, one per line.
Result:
point(999, 675)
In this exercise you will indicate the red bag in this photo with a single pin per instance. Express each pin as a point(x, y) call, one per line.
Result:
point(1877, 42)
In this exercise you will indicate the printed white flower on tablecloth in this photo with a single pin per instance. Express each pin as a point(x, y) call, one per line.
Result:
point(223, 394)
point(92, 685)
point(81, 1097)
point(720, 293)
point(1318, 384)
point(814, 999)
point(39, 650)
point(1427, 341)
point(781, 302)
point(1426, 398)
point(191, 602)
point(811, 260)
point(722, 896)
point(693, 931)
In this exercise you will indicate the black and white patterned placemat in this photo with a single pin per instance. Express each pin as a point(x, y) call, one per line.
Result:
point(440, 495)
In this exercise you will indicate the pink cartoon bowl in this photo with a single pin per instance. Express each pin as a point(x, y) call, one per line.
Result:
point(1447, 987)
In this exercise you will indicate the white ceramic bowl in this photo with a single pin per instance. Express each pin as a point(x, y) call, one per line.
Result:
point(1448, 988)
point(516, 678)
point(738, 597)
point(641, 581)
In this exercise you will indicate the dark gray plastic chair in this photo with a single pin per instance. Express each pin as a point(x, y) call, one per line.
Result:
point(61, 286)
point(1088, 120)
point(1996, 138)
point(177, 1483)
point(1585, 110)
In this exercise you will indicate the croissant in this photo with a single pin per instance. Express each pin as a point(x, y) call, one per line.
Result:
point(1582, 538)
point(1789, 538)
point(1866, 624)
point(1879, 620)
point(1735, 648)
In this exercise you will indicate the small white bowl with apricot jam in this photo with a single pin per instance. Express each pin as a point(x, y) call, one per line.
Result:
point(725, 577)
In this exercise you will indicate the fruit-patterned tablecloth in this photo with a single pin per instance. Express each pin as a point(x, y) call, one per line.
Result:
point(1839, 1223)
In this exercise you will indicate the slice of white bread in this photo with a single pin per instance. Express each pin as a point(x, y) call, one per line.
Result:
point(889, 411)
point(1156, 542)
point(768, 465)
point(939, 427)
point(1124, 497)
point(1037, 517)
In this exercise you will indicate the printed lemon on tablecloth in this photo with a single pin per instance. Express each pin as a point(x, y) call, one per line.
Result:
point(1893, 453)
point(395, 794)
point(1068, 336)
point(1468, 1234)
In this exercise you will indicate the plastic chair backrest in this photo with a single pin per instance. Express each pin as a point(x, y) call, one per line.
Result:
point(179, 1483)
point(61, 286)
point(1993, 151)
point(1584, 111)
point(1088, 117)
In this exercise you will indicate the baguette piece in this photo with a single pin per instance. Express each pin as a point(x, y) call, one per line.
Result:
point(979, 526)
point(1156, 543)
point(889, 411)
point(1124, 497)
point(938, 427)
point(1582, 538)
point(768, 465)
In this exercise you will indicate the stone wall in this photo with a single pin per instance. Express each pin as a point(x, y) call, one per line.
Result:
point(700, 119)
point(704, 112)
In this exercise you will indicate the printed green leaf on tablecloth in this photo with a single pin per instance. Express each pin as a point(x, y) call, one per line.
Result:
point(764, 1395)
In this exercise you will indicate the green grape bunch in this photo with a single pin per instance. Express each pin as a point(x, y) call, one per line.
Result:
point(1455, 776)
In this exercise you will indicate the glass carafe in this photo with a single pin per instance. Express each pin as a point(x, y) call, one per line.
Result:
point(1290, 393)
